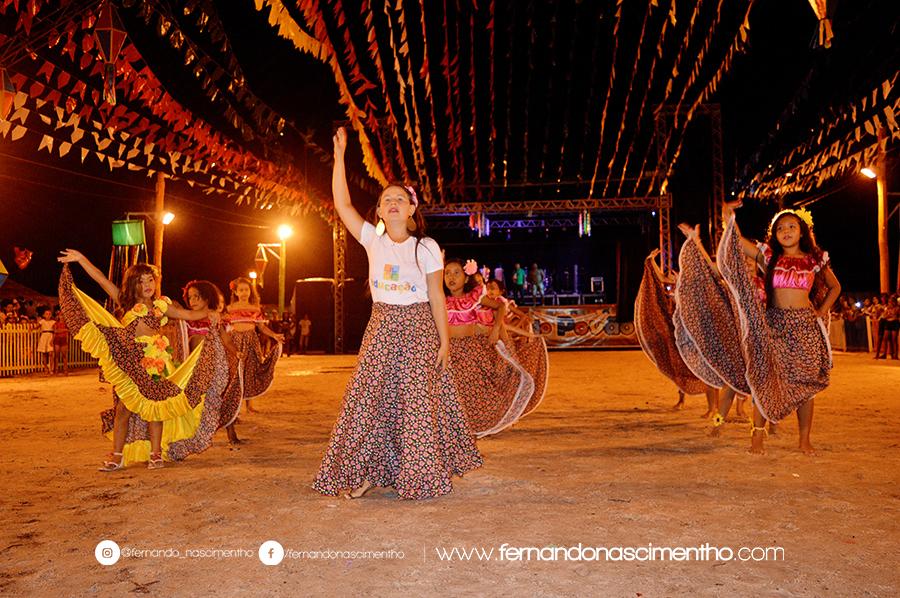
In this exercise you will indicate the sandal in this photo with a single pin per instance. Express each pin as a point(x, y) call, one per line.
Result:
point(110, 465)
point(156, 461)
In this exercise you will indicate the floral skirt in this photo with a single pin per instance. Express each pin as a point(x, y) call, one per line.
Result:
point(530, 352)
point(493, 388)
point(656, 332)
point(706, 321)
point(400, 423)
point(787, 351)
point(257, 367)
point(215, 408)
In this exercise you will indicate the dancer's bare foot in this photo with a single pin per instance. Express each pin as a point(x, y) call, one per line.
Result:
point(680, 404)
point(716, 432)
point(757, 438)
point(709, 413)
point(359, 492)
point(251, 409)
point(807, 448)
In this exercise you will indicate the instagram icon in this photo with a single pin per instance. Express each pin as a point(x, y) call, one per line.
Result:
point(107, 552)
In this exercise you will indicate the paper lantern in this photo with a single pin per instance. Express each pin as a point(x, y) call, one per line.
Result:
point(128, 232)
point(110, 34)
point(261, 261)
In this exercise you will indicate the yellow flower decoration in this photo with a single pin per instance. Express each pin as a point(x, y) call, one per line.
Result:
point(157, 360)
point(159, 309)
point(140, 310)
point(802, 213)
point(718, 420)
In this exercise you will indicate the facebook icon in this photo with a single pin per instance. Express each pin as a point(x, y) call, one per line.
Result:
point(271, 552)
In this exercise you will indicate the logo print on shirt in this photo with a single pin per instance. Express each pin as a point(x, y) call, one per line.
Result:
point(391, 272)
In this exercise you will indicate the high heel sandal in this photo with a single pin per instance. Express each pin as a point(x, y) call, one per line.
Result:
point(110, 465)
point(156, 461)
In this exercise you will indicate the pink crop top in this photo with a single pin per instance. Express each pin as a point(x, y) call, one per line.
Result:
point(794, 272)
point(485, 314)
point(200, 327)
point(244, 316)
point(462, 310)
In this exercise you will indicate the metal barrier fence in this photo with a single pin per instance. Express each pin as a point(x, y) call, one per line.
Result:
point(18, 351)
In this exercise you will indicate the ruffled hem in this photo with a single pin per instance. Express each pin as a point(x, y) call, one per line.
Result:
point(94, 343)
point(174, 430)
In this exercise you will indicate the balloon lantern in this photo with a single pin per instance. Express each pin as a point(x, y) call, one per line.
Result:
point(110, 34)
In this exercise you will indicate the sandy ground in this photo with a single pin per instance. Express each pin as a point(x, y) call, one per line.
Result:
point(603, 462)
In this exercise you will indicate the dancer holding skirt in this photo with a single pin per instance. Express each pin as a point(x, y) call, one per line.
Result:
point(785, 342)
point(655, 325)
point(493, 387)
point(400, 423)
point(156, 402)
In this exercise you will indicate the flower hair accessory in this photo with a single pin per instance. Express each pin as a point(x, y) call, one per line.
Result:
point(803, 214)
point(412, 195)
point(470, 268)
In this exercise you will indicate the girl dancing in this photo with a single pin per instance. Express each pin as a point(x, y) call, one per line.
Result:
point(257, 368)
point(153, 397)
point(401, 423)
point(493, 388)
point(204, 296)
point(785, 341)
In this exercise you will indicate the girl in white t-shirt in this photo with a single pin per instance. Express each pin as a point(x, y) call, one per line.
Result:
point(401, 423)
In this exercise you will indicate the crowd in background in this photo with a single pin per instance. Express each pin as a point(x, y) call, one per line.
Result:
point(868, 324)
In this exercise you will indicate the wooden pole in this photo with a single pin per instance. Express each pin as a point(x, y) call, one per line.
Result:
point(883, 252)
point(282, 259)
point(158, 225)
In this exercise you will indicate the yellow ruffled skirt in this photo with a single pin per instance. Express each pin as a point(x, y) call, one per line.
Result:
point(176, 399)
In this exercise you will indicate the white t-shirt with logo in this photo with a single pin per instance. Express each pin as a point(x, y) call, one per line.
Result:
point(394, 277)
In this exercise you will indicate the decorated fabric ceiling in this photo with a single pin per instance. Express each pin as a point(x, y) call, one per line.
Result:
point(472, 100)
point(486, 100)
point(73, 81)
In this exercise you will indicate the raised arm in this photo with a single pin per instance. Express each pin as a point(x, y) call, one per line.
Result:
point(71, 255)
point(192, 315)
point(748, 247)
point(342, 204)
